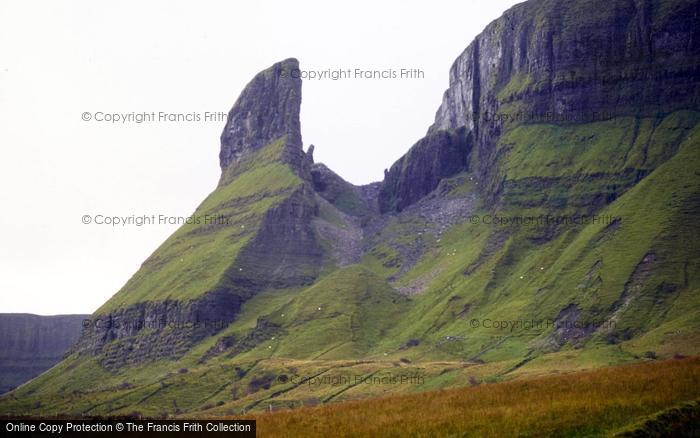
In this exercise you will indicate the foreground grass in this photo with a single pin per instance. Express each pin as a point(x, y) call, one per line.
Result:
point(591, 403)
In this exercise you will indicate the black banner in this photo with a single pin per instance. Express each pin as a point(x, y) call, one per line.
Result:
point(126, 427)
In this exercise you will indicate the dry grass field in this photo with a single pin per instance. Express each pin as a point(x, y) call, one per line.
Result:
point(602, 402)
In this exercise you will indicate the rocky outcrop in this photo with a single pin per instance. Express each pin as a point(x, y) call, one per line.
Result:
point(438, 155)
point(31, 344)
point(266, 110)
point(284, 252)
point(278, 248)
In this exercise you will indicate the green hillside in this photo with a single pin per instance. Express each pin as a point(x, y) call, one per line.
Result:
point(353, 320)
point(196, 258)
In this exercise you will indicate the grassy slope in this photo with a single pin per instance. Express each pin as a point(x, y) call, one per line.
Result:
point(194, 259)
point(534, 278)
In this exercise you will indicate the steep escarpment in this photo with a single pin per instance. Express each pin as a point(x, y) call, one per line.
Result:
point(31, 344)
point(577, 59)
point(569, 63)
point(571, 108)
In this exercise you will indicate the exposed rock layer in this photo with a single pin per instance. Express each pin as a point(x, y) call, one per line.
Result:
point(167, 329)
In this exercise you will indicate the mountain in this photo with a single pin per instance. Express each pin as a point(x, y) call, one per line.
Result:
point(547, 222)
point(31, 344)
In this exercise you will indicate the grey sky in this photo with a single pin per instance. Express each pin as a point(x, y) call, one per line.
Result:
point(61, 59)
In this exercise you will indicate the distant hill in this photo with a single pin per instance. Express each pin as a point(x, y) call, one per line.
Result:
point(31, 344)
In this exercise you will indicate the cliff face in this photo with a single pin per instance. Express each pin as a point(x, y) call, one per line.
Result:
point(31, 344)
point(438, 155)
point(552, 62)
point(629, 57)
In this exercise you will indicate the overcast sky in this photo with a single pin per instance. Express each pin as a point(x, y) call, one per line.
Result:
point(59, 60)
